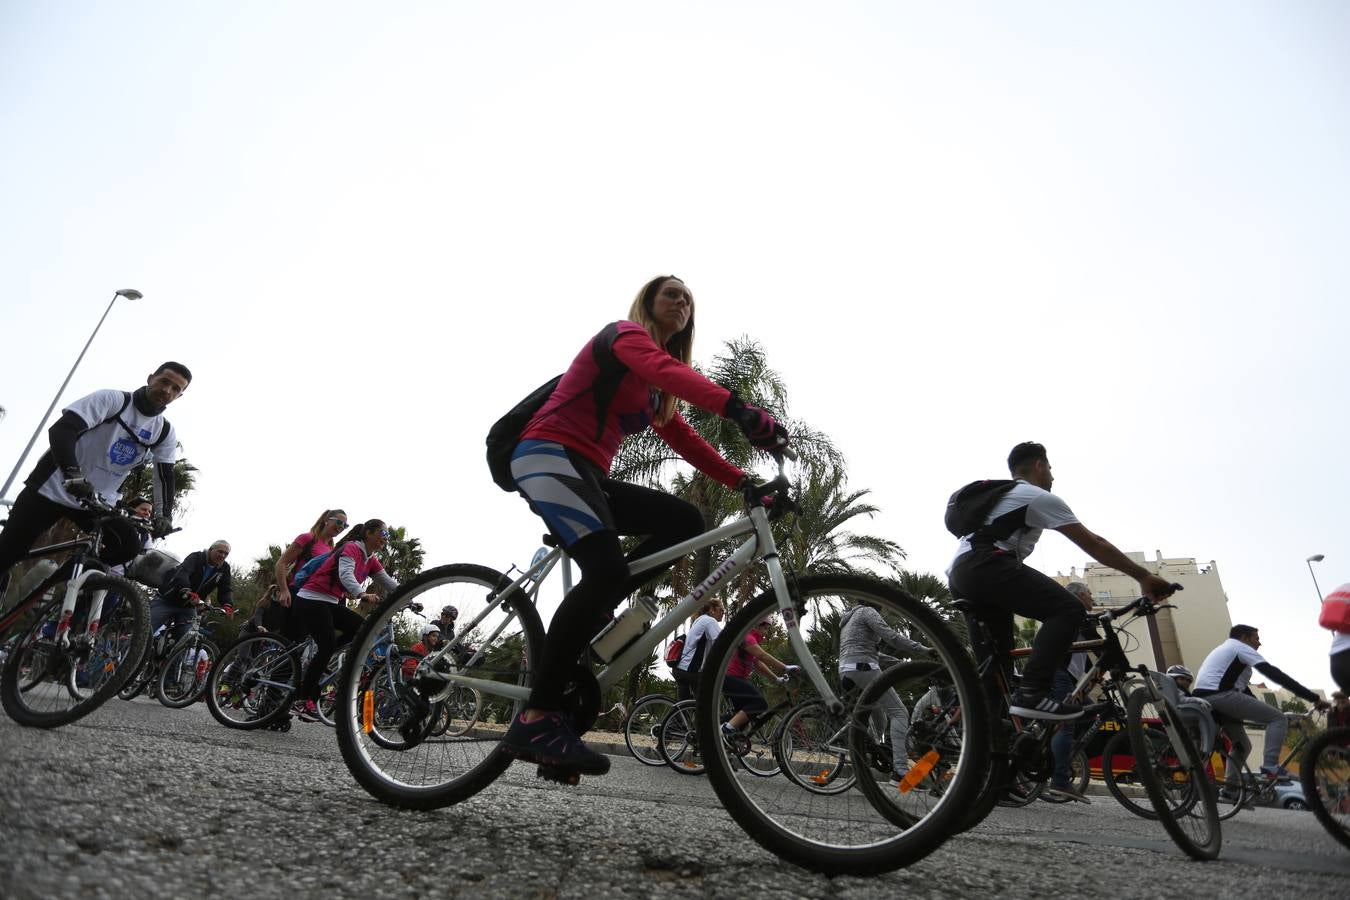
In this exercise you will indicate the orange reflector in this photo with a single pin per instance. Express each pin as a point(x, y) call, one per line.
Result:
point(919, 772)
point(822, 778)
point(368, 712)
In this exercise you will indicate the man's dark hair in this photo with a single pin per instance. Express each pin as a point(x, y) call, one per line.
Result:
point(1024, 453)
point(173, 367)
point(1242, 632)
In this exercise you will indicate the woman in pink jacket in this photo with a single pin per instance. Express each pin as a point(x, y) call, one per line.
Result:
point(561, 466)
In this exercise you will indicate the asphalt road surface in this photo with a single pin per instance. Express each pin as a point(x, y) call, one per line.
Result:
point(139, 800)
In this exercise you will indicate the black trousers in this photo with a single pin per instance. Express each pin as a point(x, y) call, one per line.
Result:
point(604, 581)
point(325, 622)
point(29, 517)
point(1340, 670)
point(999, 586)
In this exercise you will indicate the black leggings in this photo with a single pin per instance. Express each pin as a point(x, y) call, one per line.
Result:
point(999, 586)
point(324, 622)
point(1340, 670)
point(666, 521)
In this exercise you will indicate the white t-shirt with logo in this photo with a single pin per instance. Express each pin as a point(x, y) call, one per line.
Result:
point(1044, 510)
point(107, 453)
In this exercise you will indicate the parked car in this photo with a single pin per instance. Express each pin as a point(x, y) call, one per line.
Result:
point(1290, 796)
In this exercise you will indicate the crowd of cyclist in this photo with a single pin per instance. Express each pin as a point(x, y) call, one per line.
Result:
point(630, 376)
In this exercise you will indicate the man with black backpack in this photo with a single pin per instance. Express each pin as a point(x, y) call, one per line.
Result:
point(999, 523)
point(95, 444)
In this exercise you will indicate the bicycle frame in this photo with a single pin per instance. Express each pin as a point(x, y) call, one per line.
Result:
point(759, 546)
point(79, 574)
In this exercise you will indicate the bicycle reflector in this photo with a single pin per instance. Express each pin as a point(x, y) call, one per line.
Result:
point(919, 772)
point(368, 712)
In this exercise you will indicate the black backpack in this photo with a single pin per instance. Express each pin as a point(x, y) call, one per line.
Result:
point(504, 435)
point(970, 506)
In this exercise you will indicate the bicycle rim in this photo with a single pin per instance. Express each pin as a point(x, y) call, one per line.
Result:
point(44, 686)
point(845, 833)
point(186, 672)
point(253, 683)
point(384, 720)
point(678, 740)
point(813, 750)
point(640, 729)
point(1325, 775)
point(1174, 776)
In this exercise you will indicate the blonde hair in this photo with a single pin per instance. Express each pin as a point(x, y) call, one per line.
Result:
point(680, 345)
point(323, 520)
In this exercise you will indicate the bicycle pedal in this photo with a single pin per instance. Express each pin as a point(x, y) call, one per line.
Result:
point(561, 776)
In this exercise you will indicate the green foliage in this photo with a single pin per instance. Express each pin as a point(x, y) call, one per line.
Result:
point(819, 539)
point(138, 484)
point(403, 558)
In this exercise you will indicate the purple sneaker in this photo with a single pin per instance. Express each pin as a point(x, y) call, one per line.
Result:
point(551, 742)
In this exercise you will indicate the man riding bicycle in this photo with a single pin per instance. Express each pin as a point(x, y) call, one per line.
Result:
point(1222, 681)
point(990, 572)
point(92, 448)
point(195, 578)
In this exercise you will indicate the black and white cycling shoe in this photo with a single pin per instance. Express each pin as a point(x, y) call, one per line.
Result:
point(1040, 706)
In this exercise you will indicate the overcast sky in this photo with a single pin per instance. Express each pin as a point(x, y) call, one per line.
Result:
point(369, 229)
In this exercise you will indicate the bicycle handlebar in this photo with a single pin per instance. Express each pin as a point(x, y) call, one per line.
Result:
point(1145, 606)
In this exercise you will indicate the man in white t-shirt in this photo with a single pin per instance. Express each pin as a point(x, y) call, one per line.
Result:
point(93, 447)
point(1222, 681)
point(989, 571)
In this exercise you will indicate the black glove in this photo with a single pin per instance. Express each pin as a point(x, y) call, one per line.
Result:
point(76, 484)
point(160, 526)
point(760, 428)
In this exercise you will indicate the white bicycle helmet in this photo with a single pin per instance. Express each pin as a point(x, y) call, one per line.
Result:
point(1180, 672)
point(429, 628)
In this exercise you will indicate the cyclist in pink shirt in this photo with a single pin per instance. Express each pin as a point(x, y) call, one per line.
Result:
point(561, 467)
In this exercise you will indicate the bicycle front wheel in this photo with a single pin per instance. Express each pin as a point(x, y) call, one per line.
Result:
point(385, 721)
point(813, 750)
point(254, 682)
point(641, 728)
point(1325, 775)
point(844, 832)
point(43, 685)
point(186, 671)
point(1173, 774)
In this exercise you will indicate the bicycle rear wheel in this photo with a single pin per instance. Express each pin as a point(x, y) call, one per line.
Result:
point(677, 740)
point(842, 833)
point(43, 685)
point(1173, 774)
point(253, 683)
point(1325, 775)
point(384, 724)
point(757, 749)
point(641, 728)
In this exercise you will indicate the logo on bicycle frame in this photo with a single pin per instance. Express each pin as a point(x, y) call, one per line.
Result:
point(717, 575)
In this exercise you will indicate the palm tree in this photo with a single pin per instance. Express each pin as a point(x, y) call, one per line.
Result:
point(137, 484)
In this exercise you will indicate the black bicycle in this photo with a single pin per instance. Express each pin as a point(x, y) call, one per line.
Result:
point(78, 630)
point(1166, 761)
point(1325, 775)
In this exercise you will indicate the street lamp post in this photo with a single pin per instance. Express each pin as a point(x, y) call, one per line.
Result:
point(130, 294)
point(1316, 557)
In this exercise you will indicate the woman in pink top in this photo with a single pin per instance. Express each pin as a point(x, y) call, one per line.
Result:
point(320, 605)
point(745, 698)
point(561, 466)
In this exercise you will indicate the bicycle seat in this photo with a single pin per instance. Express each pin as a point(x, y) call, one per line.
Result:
point(550, 541)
